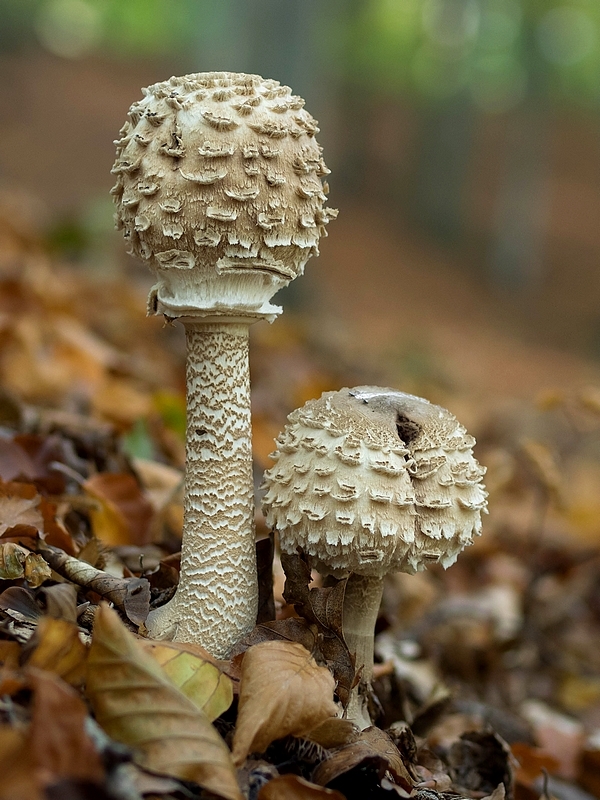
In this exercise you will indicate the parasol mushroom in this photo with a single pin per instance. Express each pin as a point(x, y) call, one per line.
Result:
point(219, 190)
point(369, 481)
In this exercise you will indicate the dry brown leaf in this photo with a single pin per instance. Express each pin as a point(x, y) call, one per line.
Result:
point(283, 691)
point(292, 787)
point(18, 562)
point(334, 732)
point(57, 740)
point(20, 509)
point(196, 676)
point(123, 513)
point(532, 761)
point(54, 747)
point(374, 747)
point(121, 401)
point(136, 704)
point(59, 649)
point(18, 779)
point(9, 654)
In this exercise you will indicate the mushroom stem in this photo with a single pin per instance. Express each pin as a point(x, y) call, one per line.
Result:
point(217, 597)
point(361, 607)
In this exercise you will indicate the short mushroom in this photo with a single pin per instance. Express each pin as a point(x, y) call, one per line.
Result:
point(219, 190)
point(369, 481)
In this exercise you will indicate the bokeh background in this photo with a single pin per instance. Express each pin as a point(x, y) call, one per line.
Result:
point(463, 136)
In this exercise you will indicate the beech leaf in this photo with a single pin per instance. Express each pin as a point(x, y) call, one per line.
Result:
point(59, 649)
point(20, 508)
point(53, 748)
point(18, 562)
point(123, 513)
point(196, 676)
point(374, 747)
point(136, 704)
point(292, 787)
point(283, 691)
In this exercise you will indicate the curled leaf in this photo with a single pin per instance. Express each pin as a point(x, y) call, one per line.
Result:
point(18, 562)
point(283, 691)
point(131, 595)
point(136, 704)
point(375, 748)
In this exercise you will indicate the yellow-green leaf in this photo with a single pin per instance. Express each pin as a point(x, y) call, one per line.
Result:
point(199, 679)
point(136, 704)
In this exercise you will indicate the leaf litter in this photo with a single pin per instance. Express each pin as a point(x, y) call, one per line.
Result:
point(487, 677)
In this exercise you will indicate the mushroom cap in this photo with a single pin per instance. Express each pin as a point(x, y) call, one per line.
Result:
point(219, 188)
point(371, 481)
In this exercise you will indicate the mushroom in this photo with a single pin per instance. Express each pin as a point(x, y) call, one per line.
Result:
point(210, 194)
point(369, 481)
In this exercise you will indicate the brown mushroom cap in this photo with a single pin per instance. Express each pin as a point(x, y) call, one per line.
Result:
point(372, 480)
point(219, 174)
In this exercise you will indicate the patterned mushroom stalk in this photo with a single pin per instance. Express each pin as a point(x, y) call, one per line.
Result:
point(369, 481)
point(219, 189)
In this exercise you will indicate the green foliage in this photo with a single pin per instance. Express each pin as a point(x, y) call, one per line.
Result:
point(496, 52)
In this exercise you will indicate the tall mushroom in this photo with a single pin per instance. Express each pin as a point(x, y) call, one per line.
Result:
point(219, 190)
point(369, 481)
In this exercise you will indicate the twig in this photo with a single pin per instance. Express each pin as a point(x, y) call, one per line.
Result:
point(130, 595)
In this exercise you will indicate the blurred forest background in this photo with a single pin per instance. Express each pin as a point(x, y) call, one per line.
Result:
point(463, 136)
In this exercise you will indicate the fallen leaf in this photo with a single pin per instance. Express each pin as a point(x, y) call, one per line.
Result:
point(374, 747)
point(291, 629)
point(54, 747)
point(559, 735)
point(60, 601)
point(58, 649)
point(292, 787)
point(198, 678)
point(18, 779)
point(283, 691)
point(14, 461)
point(334, 732)
point(17, 562)
point(121, 401)
point(22, 601)
point(123, 514)
point(479, 761)
point(136, 704)
point(20, 513)
point(9, 654)
point(323, 608)
point(57, 740)
point(532, 761)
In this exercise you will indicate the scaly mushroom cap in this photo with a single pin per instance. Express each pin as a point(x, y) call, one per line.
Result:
point(371, 480)
point(219, 187)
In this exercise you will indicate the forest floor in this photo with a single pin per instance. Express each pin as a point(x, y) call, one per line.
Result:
point(487, 676)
